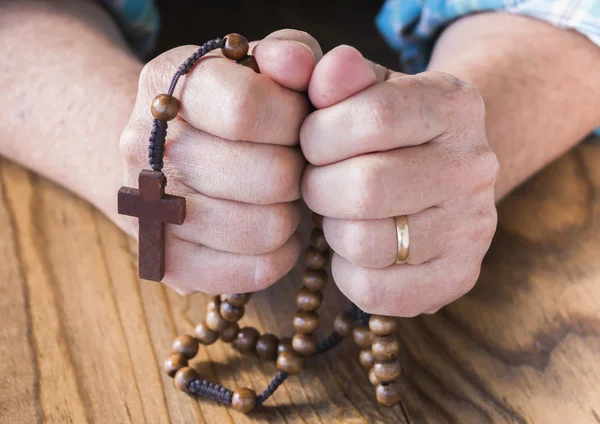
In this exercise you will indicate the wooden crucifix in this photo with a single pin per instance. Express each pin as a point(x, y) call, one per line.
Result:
point(153, 208)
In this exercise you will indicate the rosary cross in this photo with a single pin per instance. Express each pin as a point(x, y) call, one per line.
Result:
point(153, 208)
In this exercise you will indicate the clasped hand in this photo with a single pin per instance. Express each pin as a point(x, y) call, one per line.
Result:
point(380, 144)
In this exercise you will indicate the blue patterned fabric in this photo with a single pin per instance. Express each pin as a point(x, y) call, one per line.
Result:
point(139, 20)
point(411, 26)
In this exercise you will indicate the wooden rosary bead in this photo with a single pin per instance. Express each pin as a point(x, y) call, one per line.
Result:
point(284, 345)
point(235, 47)
point(305, 344)
point(388, 394)
point(308, 300)
point(174, 363)
point(290, 362)
point(306, 322)
point(213, 304)
point(246, 339)
point(250, 62)
point(165, 107)
point(237, 300)
point(366, 358)
point(266, 347)
point(363, 337)
point(343, 323)
point(317, 220)
point(230, 332)
point(318, 241)
point(184, 377)
point(205, 335)
point(316, 259)
point(381, 325)
point(243, 400)
point(186, 345)
point(372, 378)
point(314, 279)
point(231, 313)
point(385, 347)
point(215, 321)
point(387, 371)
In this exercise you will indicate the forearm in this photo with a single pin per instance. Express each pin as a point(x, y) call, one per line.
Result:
point(68, 84)
point(541, 87)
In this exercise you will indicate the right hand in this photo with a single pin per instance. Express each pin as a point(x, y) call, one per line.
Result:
point(232, 154)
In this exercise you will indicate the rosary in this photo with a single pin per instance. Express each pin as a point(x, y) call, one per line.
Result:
point(374, 334)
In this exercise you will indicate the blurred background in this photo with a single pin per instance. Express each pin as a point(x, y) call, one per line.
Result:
point(331, 22)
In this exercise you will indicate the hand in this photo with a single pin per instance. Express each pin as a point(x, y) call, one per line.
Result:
point(384, 144)
point(242, 196)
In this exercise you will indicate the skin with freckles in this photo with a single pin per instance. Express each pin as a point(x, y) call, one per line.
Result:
point(380, 143)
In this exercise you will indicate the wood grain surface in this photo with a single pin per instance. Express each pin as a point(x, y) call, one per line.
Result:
point(82, 339)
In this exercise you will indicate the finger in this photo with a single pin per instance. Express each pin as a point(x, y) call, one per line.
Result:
point(288, 57)
point(233, 170)
point(192, 268)
point(400, 112)
point(407, 290)
point(341, 73)
point(400, 182)
point(433, 232)
point(237, 227)
point(225, 99)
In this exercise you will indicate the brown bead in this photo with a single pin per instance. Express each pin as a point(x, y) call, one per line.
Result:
point(308, 300)
point(305, 344)
point(235, 47)
point(372, 378)
point(250, 62)
point(230, 332)
point(363, 337)
point(246, 339)
point(306, 322)
point(388, 395)
point(205, 335)
point(237, 300)
point(317, 220)
point(316, 259)
point(387, 370)
point(231, 313)
point(381, 325)
point(215, 321)
point(243, 400)
point(184, 377)
point(284, 345)
point(266, 347)
point(174, 363)
point(318, 241)
point(366, 358)
point(186, 345)
point(314, 279)
point(385, 347)
point(165, 107)
point(290, 362)
point(343, 323)
point(213, 304)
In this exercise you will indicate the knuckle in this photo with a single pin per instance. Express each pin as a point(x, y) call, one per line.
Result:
point(484, 226)
point(243, 104)
point(132, 144)
point(379, 116)
point(355, 241)
point(266, 272)
point(280, 225)
point(367, 188)
point(465, 280)
point(484, 166)
point(283, 174)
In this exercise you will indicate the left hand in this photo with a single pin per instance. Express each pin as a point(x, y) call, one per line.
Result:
point(384, 144)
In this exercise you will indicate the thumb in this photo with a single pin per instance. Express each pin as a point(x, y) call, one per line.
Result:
point(288, 57)
point(342, 73)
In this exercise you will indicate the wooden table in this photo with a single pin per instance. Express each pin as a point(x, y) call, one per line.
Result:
point(82, 339)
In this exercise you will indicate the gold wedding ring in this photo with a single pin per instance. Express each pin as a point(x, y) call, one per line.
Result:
point(402, 233)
